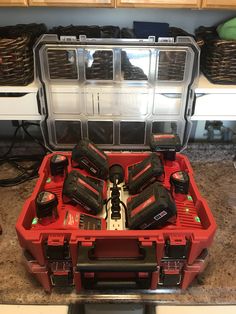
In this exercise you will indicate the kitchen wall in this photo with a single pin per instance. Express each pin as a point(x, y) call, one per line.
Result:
point(185, 18)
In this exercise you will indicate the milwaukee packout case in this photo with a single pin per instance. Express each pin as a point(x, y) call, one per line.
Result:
point(116, 93)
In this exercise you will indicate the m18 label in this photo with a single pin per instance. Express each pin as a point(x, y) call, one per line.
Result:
point(160, 215)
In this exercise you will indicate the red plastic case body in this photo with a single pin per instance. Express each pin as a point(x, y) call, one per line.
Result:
point(144, 259)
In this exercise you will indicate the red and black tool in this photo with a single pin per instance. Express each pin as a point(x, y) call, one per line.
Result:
point(151, 209)
point(46, 207)
point(83, 191)
point(86, 155)
point(169, 144)
point(144, 173)
point(58, 166)
point(179, 181)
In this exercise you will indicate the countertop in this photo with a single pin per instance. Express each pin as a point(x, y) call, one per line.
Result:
point(216, 178)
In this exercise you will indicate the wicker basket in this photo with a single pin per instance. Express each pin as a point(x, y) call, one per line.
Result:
point(16, 54)
point(110, 31)
point(102, 67)
point(90, 31)
point(171, 65)
point(218, 57)
point(62, 64)
point(73, 30)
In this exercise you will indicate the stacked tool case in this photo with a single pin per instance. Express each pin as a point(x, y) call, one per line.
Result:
point(119, 115)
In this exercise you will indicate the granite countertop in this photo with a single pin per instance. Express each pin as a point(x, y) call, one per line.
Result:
point(216, 178)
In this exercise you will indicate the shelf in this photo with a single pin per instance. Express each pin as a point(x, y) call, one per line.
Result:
point(31, 88)
point(19, 102)
point(205, 86)
point(213, 101)
point(214, 106)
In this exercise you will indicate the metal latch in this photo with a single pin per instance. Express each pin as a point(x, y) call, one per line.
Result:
point(176, 247)
point(68, 38)
point(57, 248)
point(166, 39)
point(170, 277)
point(171, 273)
point(62, 274)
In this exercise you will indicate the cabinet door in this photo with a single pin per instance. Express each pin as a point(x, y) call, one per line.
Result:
point(8, 3)
point(218, 4)
point(159, 3)
point(80, 3)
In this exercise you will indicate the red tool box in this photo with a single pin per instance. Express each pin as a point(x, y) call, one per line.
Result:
point(168, 256)
point(86, 246)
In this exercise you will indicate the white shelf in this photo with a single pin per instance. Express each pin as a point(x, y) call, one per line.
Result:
point(31, 88)
point(205, 86)
point(215, 107)
point(214, 102)
point(20, 103)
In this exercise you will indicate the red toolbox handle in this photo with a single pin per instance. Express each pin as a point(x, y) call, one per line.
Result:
point(146, 262)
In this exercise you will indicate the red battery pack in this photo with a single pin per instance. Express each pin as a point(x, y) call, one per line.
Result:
point(144, 173)
point(86, 155)
point(83, 191)
point(151, 209)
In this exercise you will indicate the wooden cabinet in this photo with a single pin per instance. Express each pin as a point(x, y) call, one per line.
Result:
point(214, 4)
point(219, 4)
point(15, 3)
point(73, 3)
point(159, 3)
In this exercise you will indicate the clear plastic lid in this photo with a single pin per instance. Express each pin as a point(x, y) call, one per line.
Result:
point(115, 92)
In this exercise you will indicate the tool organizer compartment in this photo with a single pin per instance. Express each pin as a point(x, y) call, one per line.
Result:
point(159, 257)
point(102, 103)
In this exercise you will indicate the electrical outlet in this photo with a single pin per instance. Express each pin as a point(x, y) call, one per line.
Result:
point(117, 224)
